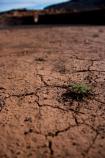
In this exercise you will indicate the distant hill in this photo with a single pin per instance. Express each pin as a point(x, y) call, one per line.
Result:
point(78, 4)
point(71, 12)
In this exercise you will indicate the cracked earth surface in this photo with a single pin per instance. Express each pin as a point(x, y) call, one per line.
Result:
point(36, 65)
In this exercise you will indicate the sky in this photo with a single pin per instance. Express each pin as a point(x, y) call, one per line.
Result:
point(29, 4)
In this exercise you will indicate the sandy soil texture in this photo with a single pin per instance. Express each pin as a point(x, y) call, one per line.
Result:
point(36, 65)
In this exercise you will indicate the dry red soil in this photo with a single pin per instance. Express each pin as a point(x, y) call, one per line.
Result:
point(36, 65)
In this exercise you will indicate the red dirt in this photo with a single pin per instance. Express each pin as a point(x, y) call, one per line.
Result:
point(35, 64)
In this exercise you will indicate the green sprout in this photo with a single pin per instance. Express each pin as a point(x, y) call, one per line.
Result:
point(80, 88)
point(77, 91)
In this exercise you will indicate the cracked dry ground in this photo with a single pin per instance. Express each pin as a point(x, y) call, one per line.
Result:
point(36, 65)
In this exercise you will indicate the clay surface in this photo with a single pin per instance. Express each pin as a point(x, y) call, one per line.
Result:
point(36, 65)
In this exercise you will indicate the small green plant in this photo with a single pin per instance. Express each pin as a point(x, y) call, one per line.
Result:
point(80, 88)
point(77, 91)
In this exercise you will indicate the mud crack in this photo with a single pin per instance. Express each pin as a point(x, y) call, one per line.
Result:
point(91, 145)
point(2, 104)
point(50, 147)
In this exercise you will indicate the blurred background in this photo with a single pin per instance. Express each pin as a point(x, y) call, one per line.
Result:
point(6, 5)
